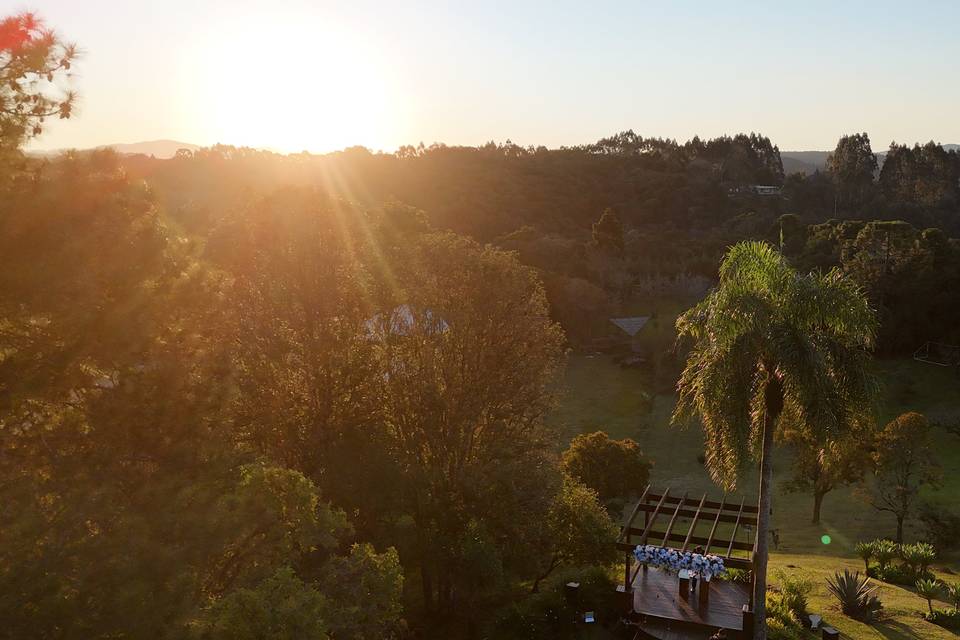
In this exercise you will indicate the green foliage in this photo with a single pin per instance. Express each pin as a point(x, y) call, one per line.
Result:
point(612, 468)
point(855, 595)
point(918, 557)
point(35, 79)
point(946, 618)
point(549, 614)
point(953, 593)
point(795, 588)
point(821, 466)
point(885, 551)
point(740, 576)
point(783, 622)
point(919, 175)
point(866, 551)
point(608, 232)
point(907, 272)
point(578, 531)
point(895, 574)
point(853, 165)
point(364, 592)
point(904, 464)
point(770, 343)
point(928, 589)
point(767, 322)
point(280, 607)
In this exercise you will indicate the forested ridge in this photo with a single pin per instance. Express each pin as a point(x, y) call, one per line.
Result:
point(676, 207)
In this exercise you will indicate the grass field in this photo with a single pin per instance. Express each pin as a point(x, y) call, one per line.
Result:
point(598, 394)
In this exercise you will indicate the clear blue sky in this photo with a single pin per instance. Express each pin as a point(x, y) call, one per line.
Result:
point(317, 75)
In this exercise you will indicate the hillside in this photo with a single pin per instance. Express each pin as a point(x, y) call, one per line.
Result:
point(160, 149)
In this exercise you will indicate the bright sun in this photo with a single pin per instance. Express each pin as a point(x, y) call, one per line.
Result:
point(290, 85)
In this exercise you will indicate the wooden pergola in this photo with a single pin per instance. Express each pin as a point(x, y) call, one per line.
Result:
point(726, 529)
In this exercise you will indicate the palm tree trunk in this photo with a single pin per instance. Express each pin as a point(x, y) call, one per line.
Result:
point(774, 405)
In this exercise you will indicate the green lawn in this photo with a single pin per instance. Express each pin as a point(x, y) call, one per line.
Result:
point(597, 394)
point(902, 608)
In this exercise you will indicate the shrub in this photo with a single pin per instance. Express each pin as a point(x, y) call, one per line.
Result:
point(740, 576)
point(953, 593)
point(897, 574)
point(928, 590)
point(885, 551)
point(866, 551)
point(794, 590)
point(918, 557)
point(548, 614)
point(855, 594)
point(783, 623)
point(946, 618)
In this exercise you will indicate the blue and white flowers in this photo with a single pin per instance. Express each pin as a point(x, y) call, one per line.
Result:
point(707, 565)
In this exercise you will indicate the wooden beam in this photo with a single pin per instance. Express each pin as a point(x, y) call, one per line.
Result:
point(710, 504)
point(653, 517)
point(636, 509)
point(693, 525)
point(673, 518)
point(695, 540)
point(716, 521)
point(733, 537)
point(728, 515)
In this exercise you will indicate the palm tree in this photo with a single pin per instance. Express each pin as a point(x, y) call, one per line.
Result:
point(769, 342)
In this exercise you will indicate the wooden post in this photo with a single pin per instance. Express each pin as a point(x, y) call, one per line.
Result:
point(747, 623)
point(684, 584)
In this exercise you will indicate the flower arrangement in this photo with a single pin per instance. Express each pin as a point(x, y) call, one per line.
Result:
point(706, 565)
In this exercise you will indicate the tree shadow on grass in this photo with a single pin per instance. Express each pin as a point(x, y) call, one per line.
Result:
point(895, 630)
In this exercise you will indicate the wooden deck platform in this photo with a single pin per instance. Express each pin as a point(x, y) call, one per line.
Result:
point(656, 594)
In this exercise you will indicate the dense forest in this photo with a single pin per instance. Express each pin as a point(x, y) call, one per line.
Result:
point(625, 214)
point(250, 395)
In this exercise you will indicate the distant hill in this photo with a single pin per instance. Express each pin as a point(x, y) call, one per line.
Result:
point(158, 148)
point(810, 161)
point(803, 161)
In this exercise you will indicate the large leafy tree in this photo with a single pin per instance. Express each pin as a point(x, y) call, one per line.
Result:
point(766, 341)
point(612, 468)
point(820, 466)
point(577, 529)
point(904, 463)
point(469, 352)
point(853, 166)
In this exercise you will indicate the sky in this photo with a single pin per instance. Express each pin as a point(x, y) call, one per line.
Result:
point(319, 75)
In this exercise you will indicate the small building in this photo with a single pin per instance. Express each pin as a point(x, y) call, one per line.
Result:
point(630, 328)
point(405, 320)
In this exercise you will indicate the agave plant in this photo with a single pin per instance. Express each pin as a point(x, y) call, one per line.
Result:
point(885, 551)
point(918, 557)
point(866, 551)
point(953, 592)
point(855, 594)
point(928, 590)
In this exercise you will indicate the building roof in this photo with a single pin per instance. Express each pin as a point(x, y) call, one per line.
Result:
point(405, 320)
point(631, 326)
